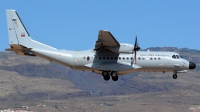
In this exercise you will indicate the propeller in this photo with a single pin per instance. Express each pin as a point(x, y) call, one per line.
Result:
point(135, 49)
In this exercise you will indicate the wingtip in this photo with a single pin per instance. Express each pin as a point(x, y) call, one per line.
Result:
point(105, 30)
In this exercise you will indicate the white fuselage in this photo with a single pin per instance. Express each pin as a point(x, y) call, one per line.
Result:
point(122, 63)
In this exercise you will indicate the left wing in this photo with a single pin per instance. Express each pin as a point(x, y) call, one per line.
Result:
point(106, 39)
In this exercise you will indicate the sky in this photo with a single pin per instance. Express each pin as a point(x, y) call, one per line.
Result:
point(74, 24)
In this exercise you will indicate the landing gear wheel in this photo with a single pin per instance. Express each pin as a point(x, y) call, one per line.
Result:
point(105, 73)
point(106, 78)
point(115, 78)
point(113, 74)
point(175, 76)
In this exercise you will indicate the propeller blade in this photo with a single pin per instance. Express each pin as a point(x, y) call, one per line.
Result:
point(135, 41)
point(135, 57)
point(136, 48)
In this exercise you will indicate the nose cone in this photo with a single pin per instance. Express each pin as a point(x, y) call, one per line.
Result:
point(192, 65)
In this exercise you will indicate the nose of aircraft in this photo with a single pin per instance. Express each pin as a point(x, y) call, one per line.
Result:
point(192, 65)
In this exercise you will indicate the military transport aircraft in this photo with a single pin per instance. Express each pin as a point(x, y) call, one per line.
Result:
point(109, 57)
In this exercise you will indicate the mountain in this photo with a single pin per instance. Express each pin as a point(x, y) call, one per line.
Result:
point(32, 78)
point(26, 78)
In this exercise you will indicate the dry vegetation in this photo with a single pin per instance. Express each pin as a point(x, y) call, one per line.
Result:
point(11, 82)
point(32, 81)
point(8, 59)
point(170, 101)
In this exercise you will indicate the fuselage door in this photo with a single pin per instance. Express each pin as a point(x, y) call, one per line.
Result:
point(78, 58)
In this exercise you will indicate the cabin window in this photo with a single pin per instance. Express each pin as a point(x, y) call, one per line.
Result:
point(143, 58)
point(108, 58)
point(88, 58)
point(119, 58)
point(158, 58)
point(116, 58)
point(99, 57)
point(111, 58)
point(131, 58)
point(154, 58)
point(84, 57)
point(151, 58)
point(177, 56)
point(104, 58)
point(139, 58)
point(95, 58)
point(127, 58)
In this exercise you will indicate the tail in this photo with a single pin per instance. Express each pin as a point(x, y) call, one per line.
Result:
point(19, 38)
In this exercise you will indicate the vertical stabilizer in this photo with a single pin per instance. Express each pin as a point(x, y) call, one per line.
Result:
point(19, 36)
point(16, 29)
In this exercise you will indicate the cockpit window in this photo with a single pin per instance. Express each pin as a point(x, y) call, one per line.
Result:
point(174, 57)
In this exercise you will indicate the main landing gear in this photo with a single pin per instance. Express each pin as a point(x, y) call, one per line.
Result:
point(106, 75)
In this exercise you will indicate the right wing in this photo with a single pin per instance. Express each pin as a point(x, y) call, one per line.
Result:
point(106, 39)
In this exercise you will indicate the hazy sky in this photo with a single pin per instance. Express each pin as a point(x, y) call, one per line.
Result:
point(74, 24)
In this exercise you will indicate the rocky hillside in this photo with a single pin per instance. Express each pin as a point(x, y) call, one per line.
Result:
point(32, 78)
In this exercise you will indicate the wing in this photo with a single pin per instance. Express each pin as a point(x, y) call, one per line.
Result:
point(106, 39)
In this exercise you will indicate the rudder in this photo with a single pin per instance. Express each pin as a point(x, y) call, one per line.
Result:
point(16, 30)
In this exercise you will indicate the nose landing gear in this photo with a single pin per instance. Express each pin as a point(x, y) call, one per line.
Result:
point(175, 76)
point(113, 74)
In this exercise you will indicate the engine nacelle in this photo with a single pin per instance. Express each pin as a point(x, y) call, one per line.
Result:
point(124, 48)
